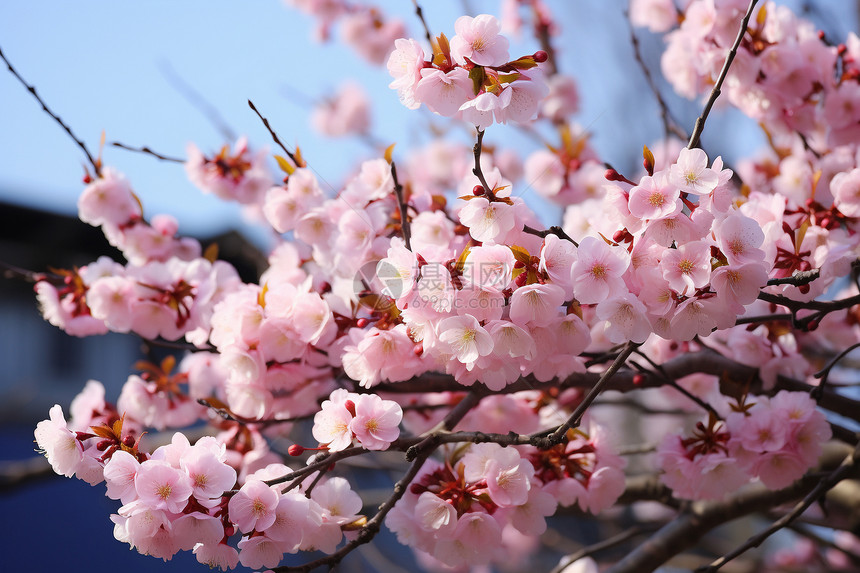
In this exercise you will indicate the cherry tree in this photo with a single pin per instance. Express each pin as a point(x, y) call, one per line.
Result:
point(422, 320)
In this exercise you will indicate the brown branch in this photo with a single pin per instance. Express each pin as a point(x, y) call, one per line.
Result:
point(601, 546)
point(405, 227)
point(678, 388)
point(274, 135)
point(797, 279)
point(95, 163)
point(372, 527)
point(17, 473)
point(542, 32)
point(845, 469)
point(148, 151)
point(18, 273)
point(479, 173)
point(197, 100)
point(702, 517)
point(554, 230)
point(715, 93)
point(420, 13)
point(824, 373)
point(735, 380)
point(670, 127)
point(573, 421)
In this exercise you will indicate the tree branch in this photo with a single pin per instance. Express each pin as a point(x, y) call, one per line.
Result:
point(95, 163)
point(845, 469)
point(715, 93)
point(684, 532)
point(148, 151)
point(274, 135)
point(573, 421)
point(420, 13)
point(405, 227)
point(670, 127)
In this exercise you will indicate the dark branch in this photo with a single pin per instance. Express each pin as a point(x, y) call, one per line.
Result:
point(715, 93)
point(274, 135)
point(95, 163)
point(148, 151)
point(479, 173)
point(845, 469)
point(573, 421)
point(554, 230)
point(405, 227)
point(420, 13)
point(197, 100)
point(669, 124)
point(702, 517)
point(601, 546)
point(797, 279)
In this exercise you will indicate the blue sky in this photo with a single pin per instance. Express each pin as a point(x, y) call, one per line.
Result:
point(101, 66)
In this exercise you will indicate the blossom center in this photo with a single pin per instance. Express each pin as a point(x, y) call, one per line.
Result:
point(163, 491)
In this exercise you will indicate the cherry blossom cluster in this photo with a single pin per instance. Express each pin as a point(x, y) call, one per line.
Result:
point(110, 203)
point(240, 175)
point(773, 439)
point(786, 74)
point(363, 28)
point(431, 269)
point(182, 497)
point(470, 77)
point(346, 112)
point(367, 418)
point(456, 510)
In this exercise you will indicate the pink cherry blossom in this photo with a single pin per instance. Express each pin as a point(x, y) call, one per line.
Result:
point(597, 273)
point(691, 174)
point(63, 450)
point(688, 267)
point(478, 40)
point(331, 423)
point(254, 506)
point(464, 338)
point(376, 422)
point(161, 486)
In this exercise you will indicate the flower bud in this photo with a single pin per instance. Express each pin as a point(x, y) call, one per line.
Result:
point(295, 450)
point(541, 56)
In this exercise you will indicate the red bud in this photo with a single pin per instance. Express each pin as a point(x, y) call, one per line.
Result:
point(541, 56)
point(295, 450)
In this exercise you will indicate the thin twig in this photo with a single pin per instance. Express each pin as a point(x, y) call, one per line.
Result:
point(479, 173)
point(96, 165)
point(405, 227)
point(574, 419)
point(8, 271)
point(554, 230)
point(197, 100)
point(825, 485)
point(670, 127)
point(372, 527)
point(274, 135)
point(420, 13)
point(601, 546)
point(148, 151)
point(715, 93)
point(674, 384)
point(824, 373)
